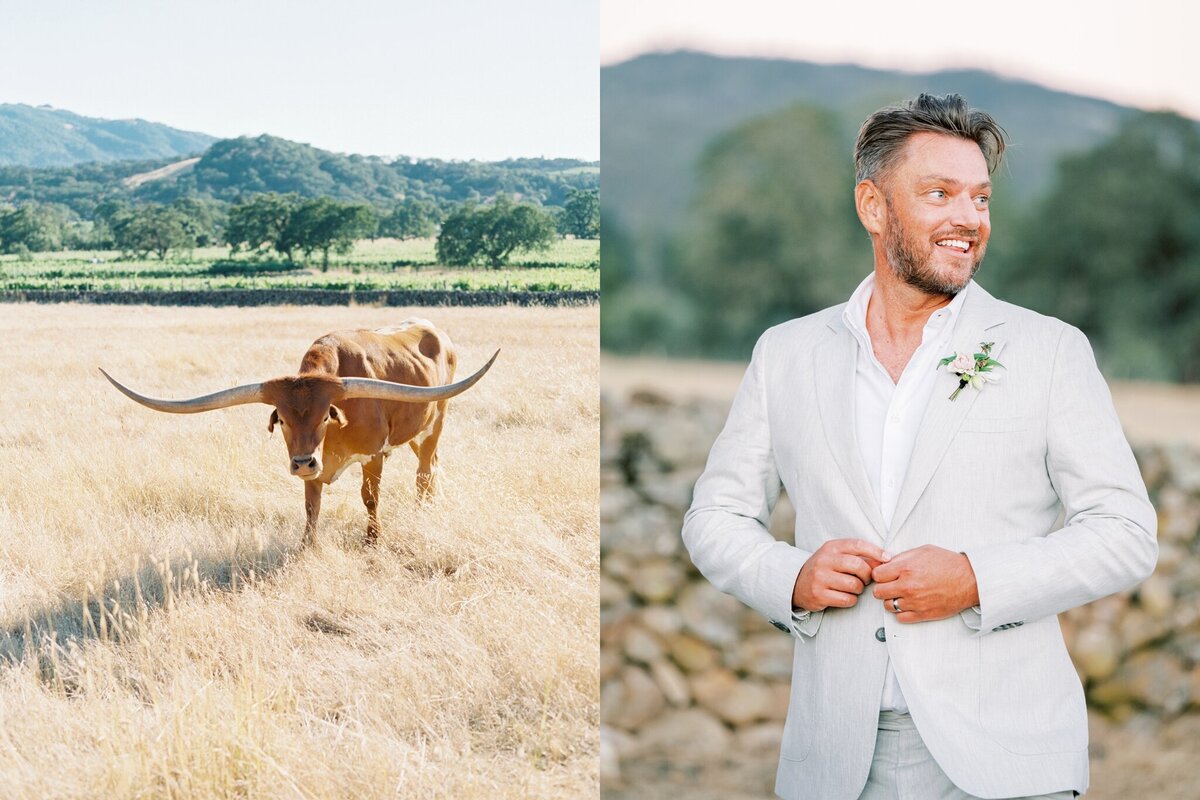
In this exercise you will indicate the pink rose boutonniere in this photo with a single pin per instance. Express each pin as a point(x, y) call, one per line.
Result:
point(973, 369)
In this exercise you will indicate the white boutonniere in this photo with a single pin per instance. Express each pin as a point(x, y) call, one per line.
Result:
point(973, 369)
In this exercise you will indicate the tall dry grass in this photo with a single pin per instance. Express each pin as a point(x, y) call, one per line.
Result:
point(162, 634)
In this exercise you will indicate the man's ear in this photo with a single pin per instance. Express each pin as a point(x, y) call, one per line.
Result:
point(272, 422)
point(871, 205)
point(338, 416)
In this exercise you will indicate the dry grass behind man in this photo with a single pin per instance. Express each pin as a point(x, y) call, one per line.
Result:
point(928, 435)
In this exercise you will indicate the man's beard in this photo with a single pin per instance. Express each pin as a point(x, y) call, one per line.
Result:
point(914, 268)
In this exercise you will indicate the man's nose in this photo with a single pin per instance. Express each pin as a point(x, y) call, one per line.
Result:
point(964, 213)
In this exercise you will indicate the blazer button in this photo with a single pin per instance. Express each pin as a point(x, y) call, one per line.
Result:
point(881, 635)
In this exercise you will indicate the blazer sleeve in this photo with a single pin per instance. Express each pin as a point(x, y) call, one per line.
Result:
point(725, 530)
point(1107, 542)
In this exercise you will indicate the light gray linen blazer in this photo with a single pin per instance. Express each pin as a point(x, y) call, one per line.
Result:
point(994, 695)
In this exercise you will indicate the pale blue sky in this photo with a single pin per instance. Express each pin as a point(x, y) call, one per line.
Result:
point(1142, 54)
point(448, 79)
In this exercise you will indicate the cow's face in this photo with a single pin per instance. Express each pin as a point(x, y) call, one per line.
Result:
point(304, 412)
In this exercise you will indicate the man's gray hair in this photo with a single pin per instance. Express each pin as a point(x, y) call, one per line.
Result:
point(881, 138)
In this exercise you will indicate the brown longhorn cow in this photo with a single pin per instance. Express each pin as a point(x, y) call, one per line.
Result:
point(358, 395)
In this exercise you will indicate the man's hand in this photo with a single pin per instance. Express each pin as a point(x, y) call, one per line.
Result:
point(836, 574)
point(928, 582)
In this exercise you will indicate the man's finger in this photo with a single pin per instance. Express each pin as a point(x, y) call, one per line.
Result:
point(886, 591)
point(886, 572)
point(842, 582)
point(838, 599)
point(858, 547)
point(854, 565)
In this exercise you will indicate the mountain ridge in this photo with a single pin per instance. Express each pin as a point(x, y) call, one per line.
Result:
point(44, 136)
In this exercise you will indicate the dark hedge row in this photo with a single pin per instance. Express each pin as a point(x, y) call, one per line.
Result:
point(308, 297)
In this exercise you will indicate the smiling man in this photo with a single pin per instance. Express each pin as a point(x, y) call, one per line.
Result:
point(959, 477)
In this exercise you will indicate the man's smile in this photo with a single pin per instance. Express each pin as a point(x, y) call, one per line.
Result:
point(961, 246)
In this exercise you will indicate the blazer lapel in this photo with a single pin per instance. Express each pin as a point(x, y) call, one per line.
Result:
point(981, 321)
point(833, 372)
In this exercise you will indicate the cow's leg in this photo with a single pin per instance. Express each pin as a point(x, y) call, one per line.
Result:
point(372, 472)
point(427, 457)
point(312, 509)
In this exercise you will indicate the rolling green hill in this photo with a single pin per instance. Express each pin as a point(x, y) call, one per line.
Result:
point(232, 169)
point(50, 137)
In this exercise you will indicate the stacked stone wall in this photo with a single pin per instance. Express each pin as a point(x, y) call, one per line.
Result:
point(691, 674)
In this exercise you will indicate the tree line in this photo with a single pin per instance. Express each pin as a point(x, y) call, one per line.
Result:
point(298, 228)
point(232, 169)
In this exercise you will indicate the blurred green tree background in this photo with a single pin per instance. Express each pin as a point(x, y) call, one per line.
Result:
point(1096, 215)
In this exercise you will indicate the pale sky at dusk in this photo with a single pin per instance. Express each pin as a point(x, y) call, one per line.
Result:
point(1142, 54)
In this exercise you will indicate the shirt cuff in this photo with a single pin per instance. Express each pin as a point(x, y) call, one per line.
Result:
point(805, 623)
point(972, 617)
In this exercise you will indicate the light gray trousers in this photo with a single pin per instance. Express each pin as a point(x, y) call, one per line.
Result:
point(903, 769)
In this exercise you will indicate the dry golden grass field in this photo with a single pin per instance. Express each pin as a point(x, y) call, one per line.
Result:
point(162, 633)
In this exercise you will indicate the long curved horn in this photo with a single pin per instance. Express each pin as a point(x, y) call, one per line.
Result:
point(371, 389)
point(239, 395)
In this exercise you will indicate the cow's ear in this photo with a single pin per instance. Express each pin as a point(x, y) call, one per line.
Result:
point(272, 421)
point(338, 416)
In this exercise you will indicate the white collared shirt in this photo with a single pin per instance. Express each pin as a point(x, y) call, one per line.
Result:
point(887, 415)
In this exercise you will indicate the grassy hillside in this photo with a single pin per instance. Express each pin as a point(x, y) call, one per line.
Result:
point(232, 169)
point(42, 136)
point(455, 660)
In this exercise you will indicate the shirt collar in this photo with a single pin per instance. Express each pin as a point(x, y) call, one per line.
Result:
point(855, 312)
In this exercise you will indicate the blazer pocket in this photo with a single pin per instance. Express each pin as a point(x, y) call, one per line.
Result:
point(995, 424)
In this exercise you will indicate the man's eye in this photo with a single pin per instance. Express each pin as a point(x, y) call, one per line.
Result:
point(937, 194)
point(982, 200)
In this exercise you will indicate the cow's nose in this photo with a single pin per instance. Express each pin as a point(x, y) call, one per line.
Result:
point(303, 462)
